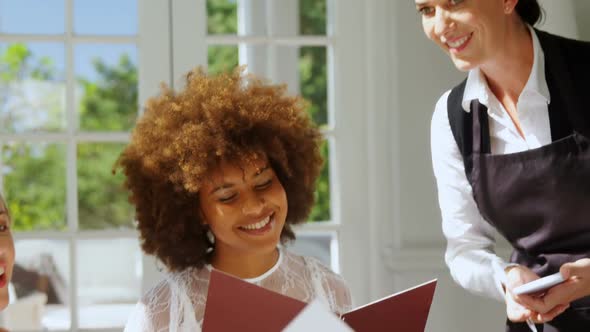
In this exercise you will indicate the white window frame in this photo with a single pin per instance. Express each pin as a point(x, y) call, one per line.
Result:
point(344, 42)
point(154, 66)
point(172, 39)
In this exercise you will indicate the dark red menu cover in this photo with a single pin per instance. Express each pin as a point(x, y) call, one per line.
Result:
point(405, 311)
point(237, 305)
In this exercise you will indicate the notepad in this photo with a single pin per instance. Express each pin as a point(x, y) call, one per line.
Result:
point(237, 305)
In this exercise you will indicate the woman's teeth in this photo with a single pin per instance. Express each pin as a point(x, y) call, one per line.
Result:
point(458, 43)
point(1, 271)
point(257, 225)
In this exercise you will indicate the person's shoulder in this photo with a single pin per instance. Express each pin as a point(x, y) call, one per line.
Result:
point(173, 283)
point(441, 103)
point(146, 315)
point(158, 293)
point(316, 263)
point(453, 95)
point(563, 44)
point(544, 35)
point(321, 270)
point(335, 288)
point(440, 114)
point(306, 263)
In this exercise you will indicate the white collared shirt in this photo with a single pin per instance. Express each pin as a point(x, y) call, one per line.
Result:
point(470, 239)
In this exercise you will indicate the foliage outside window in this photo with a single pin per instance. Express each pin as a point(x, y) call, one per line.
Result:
point(34, 174)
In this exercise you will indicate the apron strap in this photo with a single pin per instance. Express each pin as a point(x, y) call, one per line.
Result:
point(481, 128)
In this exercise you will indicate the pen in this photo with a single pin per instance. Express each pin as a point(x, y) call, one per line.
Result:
point(531, 325)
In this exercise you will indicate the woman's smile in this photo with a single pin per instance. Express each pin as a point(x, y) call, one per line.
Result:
point(456, 45)
point(261, 227)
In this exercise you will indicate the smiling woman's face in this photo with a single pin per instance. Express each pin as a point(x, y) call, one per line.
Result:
point(471, 32)
point(245, 207)
point(6, 253)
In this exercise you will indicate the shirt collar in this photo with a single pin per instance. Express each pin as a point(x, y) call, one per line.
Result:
point(476, 86)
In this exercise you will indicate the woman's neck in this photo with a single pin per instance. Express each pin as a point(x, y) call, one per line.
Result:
point(508, 73)
point(244, 264)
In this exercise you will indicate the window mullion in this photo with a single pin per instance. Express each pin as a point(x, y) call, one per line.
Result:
point(156, 63)
point(189, 29)
point(283, 20)
point(348, 99)
point(71, 172)
point(252, 23)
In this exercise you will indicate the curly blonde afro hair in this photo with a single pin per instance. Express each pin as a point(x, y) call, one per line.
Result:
point(183, 135)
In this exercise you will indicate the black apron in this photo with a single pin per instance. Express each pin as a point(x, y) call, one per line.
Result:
point(539, 200)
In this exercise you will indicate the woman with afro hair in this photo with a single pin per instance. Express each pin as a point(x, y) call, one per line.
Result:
point(218, 173)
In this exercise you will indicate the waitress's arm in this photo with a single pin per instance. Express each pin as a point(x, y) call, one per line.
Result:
point(470, 252)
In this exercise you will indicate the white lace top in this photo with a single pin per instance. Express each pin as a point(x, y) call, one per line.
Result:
point(181, 296)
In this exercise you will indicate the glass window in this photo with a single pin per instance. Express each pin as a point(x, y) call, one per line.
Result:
point(106, 88)
point(105, 17)
point(109, 284)
point(32, 87)
point(41, 280)
point(286, 43)
point(32, 16)
point(68, 101)
point(34, 176)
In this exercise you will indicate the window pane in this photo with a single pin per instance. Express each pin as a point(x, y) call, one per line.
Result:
point(222, 58)
point(222, 17)
point(32, 87)
point(321, 210)
point(315, 244)
point(312, 17)
point(305, 71)
point(32, 16)
point(102, 201)
point(314, 81)
point(107, 86)
point(109, 284)
point(105, 17)
point(34, 183)
point(40, 279)
point(250, 17)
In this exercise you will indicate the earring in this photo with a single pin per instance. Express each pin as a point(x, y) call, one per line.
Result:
point(210, 236)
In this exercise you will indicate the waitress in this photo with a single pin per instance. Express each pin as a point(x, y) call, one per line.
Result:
point(510, 150)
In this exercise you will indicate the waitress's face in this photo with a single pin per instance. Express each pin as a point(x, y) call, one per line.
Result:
point(471, 32)
point(6, 254)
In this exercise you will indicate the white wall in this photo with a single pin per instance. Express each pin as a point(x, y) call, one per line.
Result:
point(560, 18)
point(581, 11)
point(406, 76)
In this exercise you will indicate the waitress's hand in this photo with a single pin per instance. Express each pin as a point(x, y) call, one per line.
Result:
point(520, 308)
point(577, 284)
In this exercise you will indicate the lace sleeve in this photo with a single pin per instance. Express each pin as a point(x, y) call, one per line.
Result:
point(330, 286)
point(171, 306)
point(152, 312)
point(138, 319)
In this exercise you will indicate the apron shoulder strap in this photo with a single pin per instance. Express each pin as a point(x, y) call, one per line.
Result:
point(461, 124)
point(566, 70)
